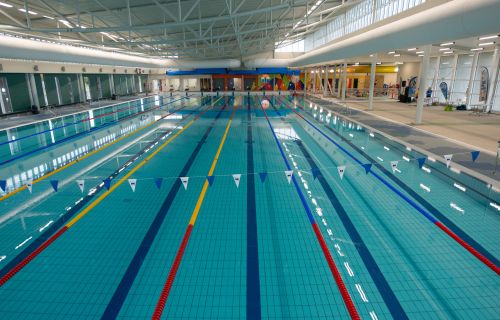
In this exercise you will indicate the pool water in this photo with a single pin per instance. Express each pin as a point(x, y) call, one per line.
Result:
point(194, 240)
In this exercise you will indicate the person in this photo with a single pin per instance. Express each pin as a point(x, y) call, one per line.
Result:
point(265, 104)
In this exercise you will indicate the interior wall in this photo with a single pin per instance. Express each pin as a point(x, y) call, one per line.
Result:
point(407, 71)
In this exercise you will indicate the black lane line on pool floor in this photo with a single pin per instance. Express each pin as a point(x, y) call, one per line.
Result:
point(51, 230)
point(453, 227)
point(121, 292)
point(376, 274)
point(253, 277)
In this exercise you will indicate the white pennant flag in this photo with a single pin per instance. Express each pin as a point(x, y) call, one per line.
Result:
point(81, 184)
point(29, 184)
point(341, 170)
point(289, 174)
point(132, 183)
point(184, 181)
point(394, 165)
point(237, 178)
point(448, 157)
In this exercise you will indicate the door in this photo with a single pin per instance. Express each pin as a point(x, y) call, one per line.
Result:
point(5, 103)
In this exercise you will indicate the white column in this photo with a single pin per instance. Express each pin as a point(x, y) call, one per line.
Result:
point(453, 75)
point(421, 96)
point(372, 82)
point(344, 81)
point(325, 81)
point(313, 78)
point(339, 92)
point(468, 91)
point(33, 91)
point(493, 78)
point(334, 80)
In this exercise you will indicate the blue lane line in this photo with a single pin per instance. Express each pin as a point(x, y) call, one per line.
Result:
point(121, 292)
point(457, 230)
point(253, 276)
point(72, 137)
point(376, 274)
point(63, 126)
point(51, 230)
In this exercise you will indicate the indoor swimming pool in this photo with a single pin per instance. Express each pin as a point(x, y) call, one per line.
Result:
point(198, 207)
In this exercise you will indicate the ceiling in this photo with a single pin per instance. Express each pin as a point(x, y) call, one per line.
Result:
point(187, 29)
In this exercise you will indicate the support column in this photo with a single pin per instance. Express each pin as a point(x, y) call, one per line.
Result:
point(325, 84)
point(468, 91)
point(344, 81)
point(453, 75)
point(339, 94)
point(421, 97)
point(81, 88)
point(334, 80)
point(33, 91)
point(111, 84)
point(372, 82)
point(313, 77)
point(493, 79)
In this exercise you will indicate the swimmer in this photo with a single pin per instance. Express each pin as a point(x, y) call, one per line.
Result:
point(265, 104)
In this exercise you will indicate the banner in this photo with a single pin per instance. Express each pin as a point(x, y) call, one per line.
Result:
point(475, 155)
point(263, 176)
point(81, 184)
point(444, 89)
point(484, 84)
point(158, 182)
point(55, 184)
point(29, 184)
point(341, 171)
point(367, 167)
point(289, 174)
point(184, 181)
point(3, 185)
point(421, 162)
point(210, 180)
point(132, 183)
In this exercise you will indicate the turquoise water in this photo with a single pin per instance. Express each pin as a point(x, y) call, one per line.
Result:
point(252, 251)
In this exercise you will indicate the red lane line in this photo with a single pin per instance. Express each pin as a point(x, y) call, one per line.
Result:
point(171, 275)
point(32, 255)
point(468, 247)
point(336, 274)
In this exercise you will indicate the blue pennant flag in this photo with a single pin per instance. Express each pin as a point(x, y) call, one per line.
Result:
point(210, 180)
point(107, 183)
point(421, 162)
point(3, 185)
point(315, 172)
point(474, 155)
point(367, 167)
point(55, 184)
point(263, 176)
point(158, 182)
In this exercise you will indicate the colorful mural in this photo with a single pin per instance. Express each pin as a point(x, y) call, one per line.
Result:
point(276, 82)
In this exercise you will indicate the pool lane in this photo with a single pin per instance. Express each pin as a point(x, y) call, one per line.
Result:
point(83, 267)
point(49, 208)
point(408, 250)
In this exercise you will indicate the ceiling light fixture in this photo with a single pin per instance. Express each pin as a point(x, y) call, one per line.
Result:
point(419, 52)
point(397, 55)
point(489, 37)
point(420, 55)
point(30, 12)
point(391, 52)
point(3, 4)
point(448, 52)
point(447, 44)
point(48, 17)
point(477, 49)
point(444, 49)
point(412, 49)
point(484, 44)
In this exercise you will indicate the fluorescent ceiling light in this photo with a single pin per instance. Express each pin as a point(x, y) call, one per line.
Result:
point(412, 49)
point(419, 52)
point(3, 4)
point(391, 52)
point(420, 55)
point(397, 55)
point(30, 12)
point(477, 49)
point(448, 52)
point(379, 62)
point(447, 44)
point(484, 44)
point(48, 17)
point(444, 49)
point(489, 37)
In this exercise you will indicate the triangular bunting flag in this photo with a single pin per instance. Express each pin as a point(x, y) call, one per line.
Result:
point(448, 157)
point(81, 184)
point(107, 183)
point(237, 178)
point(394, 166)
point(421, 162)
point(315, 172)
point(289, 174)
point(474, 155)
point(29, 184)
point(210, 180)
point(341, 171)
point(263, 176)
point(132, 183)
point(185, 181)
point(367, 167)
point(55, 184)
point(158, 182)
point(3, 185)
